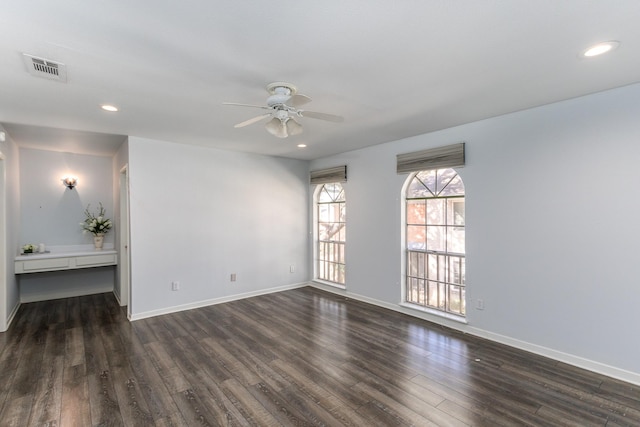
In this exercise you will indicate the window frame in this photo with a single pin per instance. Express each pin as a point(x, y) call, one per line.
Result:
point(411, 281)
point(316, 236)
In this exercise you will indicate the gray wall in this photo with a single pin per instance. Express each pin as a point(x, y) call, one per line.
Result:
point(198, 215)
point(551, 228)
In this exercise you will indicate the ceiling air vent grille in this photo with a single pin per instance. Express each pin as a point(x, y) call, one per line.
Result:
point(45, 68)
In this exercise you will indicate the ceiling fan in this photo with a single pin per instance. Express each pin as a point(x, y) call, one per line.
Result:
point(282, 106)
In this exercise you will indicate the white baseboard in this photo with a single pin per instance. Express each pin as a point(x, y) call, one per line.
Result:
point(64, 294)
point(11, 316)
point(117, 295)
point(214, 301)
point(570, 359)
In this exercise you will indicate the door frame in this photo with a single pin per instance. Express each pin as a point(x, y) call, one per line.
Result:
point(124, 241)
point(3, 245)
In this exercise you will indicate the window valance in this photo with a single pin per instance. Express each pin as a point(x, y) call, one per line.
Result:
point(323, 176)
point(449, 156)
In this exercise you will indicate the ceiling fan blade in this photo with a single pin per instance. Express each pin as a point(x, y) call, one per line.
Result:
point(322, 116)
point(246, 105)
point(251, 121)
point(298, 99)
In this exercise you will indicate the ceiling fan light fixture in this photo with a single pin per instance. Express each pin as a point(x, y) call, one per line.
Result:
point(277, 127)
point(293, 127)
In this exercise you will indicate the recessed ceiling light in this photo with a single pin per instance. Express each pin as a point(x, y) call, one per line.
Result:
point(110, 108)
point(600, 48)
point(302, 145)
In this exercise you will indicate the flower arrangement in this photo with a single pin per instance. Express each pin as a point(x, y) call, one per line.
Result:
point(96, 224)
point(29, 248)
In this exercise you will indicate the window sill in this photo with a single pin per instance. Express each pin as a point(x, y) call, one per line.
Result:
point(332, 284)
point(438, 313)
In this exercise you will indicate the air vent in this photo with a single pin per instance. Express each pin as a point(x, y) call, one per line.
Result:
point(45, 68)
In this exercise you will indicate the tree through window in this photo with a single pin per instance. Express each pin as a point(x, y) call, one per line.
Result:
point(331, 233)
point(435, 241)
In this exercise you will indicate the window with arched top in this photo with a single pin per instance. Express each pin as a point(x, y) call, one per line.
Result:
point(435, 241)
point(331, 233)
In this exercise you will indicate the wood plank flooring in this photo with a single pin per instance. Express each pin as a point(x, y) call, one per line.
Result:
point(301, 357)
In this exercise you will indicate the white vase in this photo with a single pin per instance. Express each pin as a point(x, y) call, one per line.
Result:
point(98, 240)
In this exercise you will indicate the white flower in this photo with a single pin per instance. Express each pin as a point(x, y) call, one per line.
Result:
point(96, 224)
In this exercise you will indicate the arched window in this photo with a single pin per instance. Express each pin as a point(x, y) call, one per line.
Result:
point(435, 241)
point(331, 233)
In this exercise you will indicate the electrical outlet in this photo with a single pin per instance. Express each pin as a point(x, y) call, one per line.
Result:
point(480, 304)
point(175, 286)
point(233, 277)
point(292, 269)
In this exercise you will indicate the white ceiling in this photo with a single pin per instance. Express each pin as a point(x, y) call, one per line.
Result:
point(392, 68)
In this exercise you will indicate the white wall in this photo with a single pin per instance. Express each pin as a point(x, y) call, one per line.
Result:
point(198, 215)
point(9, 290)
point(50, 214)
point(552, 227)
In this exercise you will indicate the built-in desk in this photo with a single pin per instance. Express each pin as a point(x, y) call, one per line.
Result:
point(65, 258)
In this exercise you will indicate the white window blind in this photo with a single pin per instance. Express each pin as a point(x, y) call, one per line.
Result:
point(449, 156)
point(324, 176)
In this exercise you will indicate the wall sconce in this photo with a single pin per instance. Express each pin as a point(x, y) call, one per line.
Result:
point(70, 182)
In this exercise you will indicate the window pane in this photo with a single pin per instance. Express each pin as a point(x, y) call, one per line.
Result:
point(456, 240)
point(323, 196)
point(416, 212)
point(454, 299)
point(428, 178)
point(412, 290)
point(324, 230)
point(412, 264)
point(454, 188)
point(421, 264)
point(334, 212)
point(416, 238)
point(417, 190)
point(455, 212)
point(436, 238)
point(444, 177)
point(442, 296)
point(436, 211)
point(455, 270)
point(323, 213)
point(432, 269)
point(433, 294)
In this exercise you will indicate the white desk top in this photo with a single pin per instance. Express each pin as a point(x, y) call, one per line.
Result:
point(68, 251)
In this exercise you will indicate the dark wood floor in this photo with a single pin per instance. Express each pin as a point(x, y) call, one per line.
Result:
point(301, 357)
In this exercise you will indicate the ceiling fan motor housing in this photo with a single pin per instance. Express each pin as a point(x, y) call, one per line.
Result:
point(280, 93)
